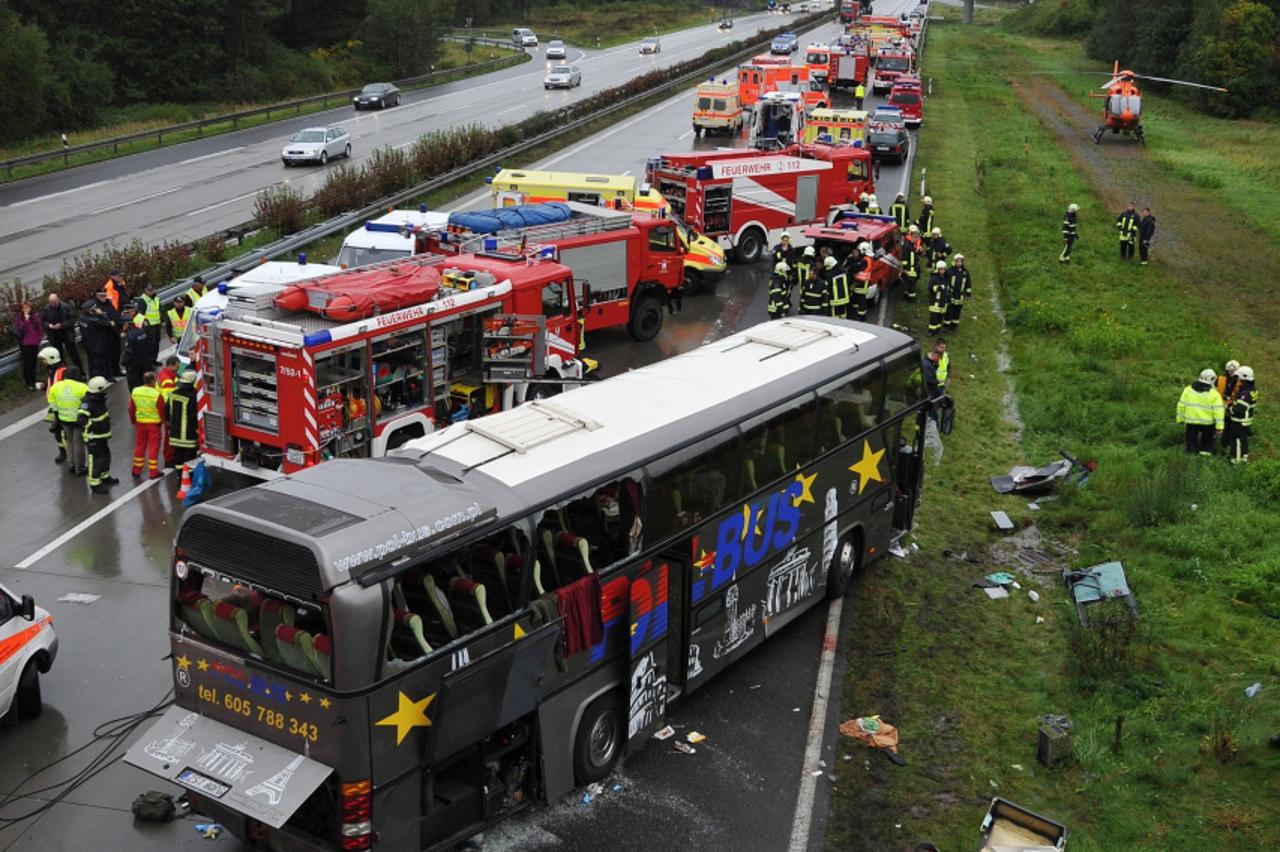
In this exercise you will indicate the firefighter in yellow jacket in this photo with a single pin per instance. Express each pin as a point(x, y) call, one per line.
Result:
point(1200, 408)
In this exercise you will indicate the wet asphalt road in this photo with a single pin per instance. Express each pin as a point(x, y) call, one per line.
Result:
point(738, 791)
point(185, 192)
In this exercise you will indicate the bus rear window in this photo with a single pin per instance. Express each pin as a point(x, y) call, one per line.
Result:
point(252, 623)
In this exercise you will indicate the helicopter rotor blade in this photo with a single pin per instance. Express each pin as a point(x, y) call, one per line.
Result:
point(1181, 83)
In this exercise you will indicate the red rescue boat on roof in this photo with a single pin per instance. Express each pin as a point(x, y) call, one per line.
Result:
point(360, 293)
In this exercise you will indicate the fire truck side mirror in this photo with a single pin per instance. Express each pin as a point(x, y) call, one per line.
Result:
point(586, 295)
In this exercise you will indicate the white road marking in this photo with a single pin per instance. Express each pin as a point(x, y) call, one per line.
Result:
point(684, 136)
point(211, 156)
point(573, 152)
point(85, 524)
point(135, 201)
point(511, 109)
point(817, 729)
point(225, 203)
point(57, 194)
point(18, 425)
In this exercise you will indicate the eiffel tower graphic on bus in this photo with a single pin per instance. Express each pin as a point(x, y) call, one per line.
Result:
point(273, 787)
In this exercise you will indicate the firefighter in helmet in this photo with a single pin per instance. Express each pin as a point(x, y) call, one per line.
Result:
point(813, 295)
point(925, 222)
point(959, 290)
point(861, 283)
point(780, 290)
point(939, 297)
point(837, 287)
point(939, 248)
point(911, 263)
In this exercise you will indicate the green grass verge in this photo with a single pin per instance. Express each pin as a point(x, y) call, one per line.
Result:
point(1099, 352)
point(609, 25)
point(453, 57)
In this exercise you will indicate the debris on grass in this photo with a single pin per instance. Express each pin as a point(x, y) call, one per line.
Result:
point(665, 734)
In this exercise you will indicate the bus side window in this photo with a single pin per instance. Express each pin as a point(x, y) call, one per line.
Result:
point(691, 485)
point(905, 384)
point(776, 442)
point(849, 407)
point(588, 533)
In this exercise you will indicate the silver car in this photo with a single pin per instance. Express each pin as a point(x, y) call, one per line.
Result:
point(562, 77)
point(316, 145)
point(556, 49)
point(650, 45)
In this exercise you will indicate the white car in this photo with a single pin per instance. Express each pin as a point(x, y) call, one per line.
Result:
point(316, 145)
point(556, 49)
point(562, 77)
point(28, 647)
point(651, 45)
point(523, 37)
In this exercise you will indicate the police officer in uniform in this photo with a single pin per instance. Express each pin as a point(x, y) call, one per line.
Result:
point(911, 264)
point(147, 306)
point(1240, 416)
point(938, 297)
point(176, 319)
point(195, 291)
point(813, 295)
point(780, 290)
point(837, 288)
point(64, 399)
point(959, 289)
point(182, 419)
point(95, 420)
point(900, 212)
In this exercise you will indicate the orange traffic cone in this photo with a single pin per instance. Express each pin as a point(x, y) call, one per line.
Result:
point(186, 482)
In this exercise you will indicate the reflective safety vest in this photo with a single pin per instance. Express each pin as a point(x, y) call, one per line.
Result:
point(859, 91)
point(802, 268)
point(150, 309)
point(1242, 408)
point(937, 294)
point(1070, 227)
point(873, 209)
point(96, 417)
point(900, 215)
point(839, 291)
point(178, 321)
point(861, 285)
point(1200, 408)
point(146, 404)
point(113, 293)
point(182, 419)
point(944, 364)
point(65, 397)
point(1127, 225)
point(193, 297)
point(166, 381)
point(925, 224)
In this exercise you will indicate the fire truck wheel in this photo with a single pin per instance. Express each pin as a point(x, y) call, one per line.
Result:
point(843, 563)
point(750, 246)
point(543, 390)
point(28, 701)
point(601, 735)
point(646, 319)
point(692, 282)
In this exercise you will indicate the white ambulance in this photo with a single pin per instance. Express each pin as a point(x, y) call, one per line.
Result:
point(28, 647)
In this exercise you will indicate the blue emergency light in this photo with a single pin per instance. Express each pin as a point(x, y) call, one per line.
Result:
point(547, 252)
point(317, 338)
point(490, 244)
point(223, 287)
point(302, 258)
point(704, 173)
point(422, 208)
point(489, 180)
point(382, 227)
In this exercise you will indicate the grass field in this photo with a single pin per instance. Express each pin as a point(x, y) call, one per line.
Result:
point(585, 25)
point(1098, 351)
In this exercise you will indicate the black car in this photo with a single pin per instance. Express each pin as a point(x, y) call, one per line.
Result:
point(887, 142)
point(377, 96)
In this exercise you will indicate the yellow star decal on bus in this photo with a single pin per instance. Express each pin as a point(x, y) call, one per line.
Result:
point(806, 483)
point(203, 665)
point(324, 704)
point(519, 632)
point(867, 467)
point(183, 662)
point(409, 715)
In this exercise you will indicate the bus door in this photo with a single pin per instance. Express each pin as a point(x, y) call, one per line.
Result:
point(655, 648)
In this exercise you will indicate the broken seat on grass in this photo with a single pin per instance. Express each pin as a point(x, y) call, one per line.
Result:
point(1090, 587)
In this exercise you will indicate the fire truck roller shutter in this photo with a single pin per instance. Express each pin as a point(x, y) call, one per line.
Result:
point(603, 266)
point(806, 198)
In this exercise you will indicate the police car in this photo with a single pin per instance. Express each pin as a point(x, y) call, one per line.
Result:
point(28, 647)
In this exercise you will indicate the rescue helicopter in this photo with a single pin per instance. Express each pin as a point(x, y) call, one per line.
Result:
point(1122, 103)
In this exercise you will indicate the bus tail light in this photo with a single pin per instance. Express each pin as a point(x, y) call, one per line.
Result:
point(357, 810)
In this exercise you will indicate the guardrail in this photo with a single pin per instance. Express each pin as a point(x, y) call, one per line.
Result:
point(235, 118)
point(286, 245)
point(463, 37)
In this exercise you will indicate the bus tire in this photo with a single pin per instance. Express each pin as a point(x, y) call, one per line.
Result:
point(844, 562)
point(646, 319)
point(602, 733)
point(750, 246)
point(692, 282)
point(28, 701)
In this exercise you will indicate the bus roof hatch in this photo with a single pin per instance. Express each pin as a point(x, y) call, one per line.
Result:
point(523, 428)
point(787, 336)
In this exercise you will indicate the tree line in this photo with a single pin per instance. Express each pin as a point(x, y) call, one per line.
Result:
point(67, 64)
point(1229, 43)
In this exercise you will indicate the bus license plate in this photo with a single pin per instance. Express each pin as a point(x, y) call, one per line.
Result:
point(196, 781)
point(294, 456)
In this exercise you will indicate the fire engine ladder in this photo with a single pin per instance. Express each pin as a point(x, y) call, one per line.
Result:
point(588, 225)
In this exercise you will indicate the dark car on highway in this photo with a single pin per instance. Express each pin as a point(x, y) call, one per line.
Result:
point(377, 96)
point(888, 142)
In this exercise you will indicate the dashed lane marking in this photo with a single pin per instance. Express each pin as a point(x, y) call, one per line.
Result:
point(86, 523)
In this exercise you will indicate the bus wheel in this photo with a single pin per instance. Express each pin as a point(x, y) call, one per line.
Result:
point(692, 281)
point(750, 246)
point(646, 319)
point(843, 563)
point(601, 734)
point(28, 701)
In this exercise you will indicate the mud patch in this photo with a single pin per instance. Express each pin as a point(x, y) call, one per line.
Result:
point(1029, 553)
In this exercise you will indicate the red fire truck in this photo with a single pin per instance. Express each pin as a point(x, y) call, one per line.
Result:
point(846, 229)
point(849, 10)
point(632, 262)
point(893, 60)
point(745, 198)
point(356, 363)
point(848, 65)
point(755, 80)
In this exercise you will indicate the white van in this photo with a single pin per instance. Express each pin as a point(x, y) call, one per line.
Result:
point(214, 300)
point(387, 237)
point(28, 647)
point(524, 37)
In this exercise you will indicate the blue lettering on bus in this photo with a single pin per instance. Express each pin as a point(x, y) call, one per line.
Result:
point(772, 527)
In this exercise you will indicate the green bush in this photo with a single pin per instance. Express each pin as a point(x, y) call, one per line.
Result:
point(386, 171)
point(344, 188)
point(1054, 17)
point(280, 208)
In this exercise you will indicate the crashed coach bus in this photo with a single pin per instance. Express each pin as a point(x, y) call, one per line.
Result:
point(394, 653)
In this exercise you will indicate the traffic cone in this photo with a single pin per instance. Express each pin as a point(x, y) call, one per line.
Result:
point(186, 482)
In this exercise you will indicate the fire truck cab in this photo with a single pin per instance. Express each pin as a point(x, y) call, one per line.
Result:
point(746, 198)
point(631, 262)
point(846, 229)
point(356, 363)
point(892, 62)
